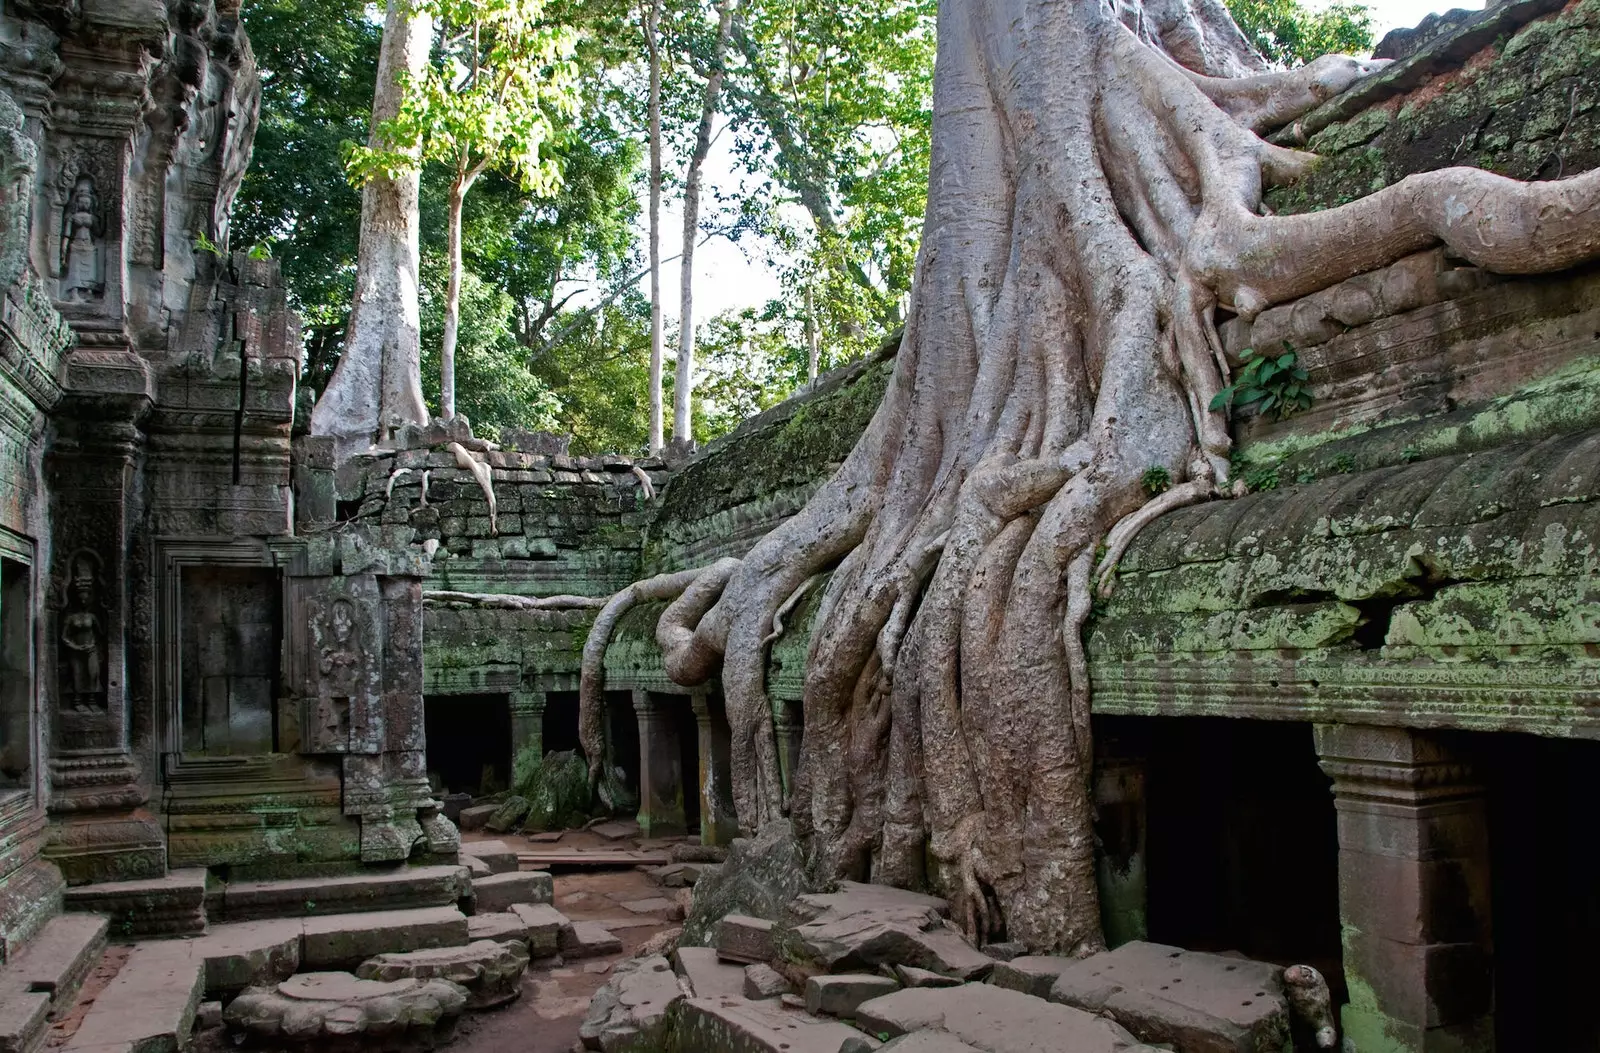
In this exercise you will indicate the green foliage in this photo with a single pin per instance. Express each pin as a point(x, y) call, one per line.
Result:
point(202, 243)
point(1288, 33)
point(556, 787)
point(1275, 384)
point(1156, 480)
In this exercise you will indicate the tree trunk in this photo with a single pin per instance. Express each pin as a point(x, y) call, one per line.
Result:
point(813, 337)
point(683, 391)
point(1095, 195)
point(452, 299)
point(377, 385)
point(653, 46)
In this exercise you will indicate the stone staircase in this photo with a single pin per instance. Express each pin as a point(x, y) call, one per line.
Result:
point(196, 937)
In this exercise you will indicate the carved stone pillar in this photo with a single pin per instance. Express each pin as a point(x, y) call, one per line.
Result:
point(527, 729)
point(788, 727)
point(718, 823)
point(660, 767)
point(1413, 891)
point(100, 830)
point(1120, 826)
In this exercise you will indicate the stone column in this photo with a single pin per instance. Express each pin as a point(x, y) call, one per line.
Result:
point(787, 727)
point(718, 824)
point(1120, 825)
point(527, 729)
point(660, 767)
point(1413, 891)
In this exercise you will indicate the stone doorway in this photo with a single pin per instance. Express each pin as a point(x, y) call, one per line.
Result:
point(16, 674)
point(469, 742)
point(230, 639)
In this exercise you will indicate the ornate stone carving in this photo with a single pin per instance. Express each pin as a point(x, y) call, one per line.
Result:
point(341, 669)
point(82, 244)
point(83, 636)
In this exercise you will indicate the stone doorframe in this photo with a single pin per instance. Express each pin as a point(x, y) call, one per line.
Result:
point(20, 549)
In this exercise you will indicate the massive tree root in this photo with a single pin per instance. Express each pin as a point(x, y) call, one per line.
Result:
point(1095, 198)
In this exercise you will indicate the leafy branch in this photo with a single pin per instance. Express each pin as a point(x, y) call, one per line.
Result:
point(1275, 384)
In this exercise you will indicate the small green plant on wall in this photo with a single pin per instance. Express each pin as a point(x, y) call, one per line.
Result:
point(1275, 384)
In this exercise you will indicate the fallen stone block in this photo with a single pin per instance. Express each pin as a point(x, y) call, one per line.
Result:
point(911, 976)
point(246, 953)
point(739, 1025)
point(1199, 1003)
point(589, 939)
point(326, 1005)
point(928, 1042)
point(654, 905)
point(852, 897)
point(741, 938)
point(679, 875)
point(209, 1015)
point(477, 867)
point(507, 815)
point(23, 1017)
point(452, 804)
point(629, 1014)
point(763, 981)
point(149, 1006)
point(544, 927)
point(503, 926)
point(1007, 951)
point(491, 972)
point(347, 940)
point(473, 818)
point(890, 935)
point(59, 956)
point(502, 891)
point(994, 1020)
point(841, 995)
point(707, 976)
point(1031, 974)
point(499, 856)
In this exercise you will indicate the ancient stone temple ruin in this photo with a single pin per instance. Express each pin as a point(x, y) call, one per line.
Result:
point(1343, 721)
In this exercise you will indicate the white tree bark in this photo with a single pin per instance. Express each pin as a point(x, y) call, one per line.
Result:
point(683, 390)
point(377, 385)
point(652, 26)
point(466, 174)
point(1095, 195)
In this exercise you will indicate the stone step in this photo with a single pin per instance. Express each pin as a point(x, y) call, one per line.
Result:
point(739, 1025)
point(148, 1007)
point(994, 1020)
point(498, 856)
point(23, 1017)
point(344, 941)
point(170, 905)
point(501, 891)
point(399, 888)
point(57, 959)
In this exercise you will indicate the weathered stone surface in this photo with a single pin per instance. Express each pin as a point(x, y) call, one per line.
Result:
point(911, 976)
point(57, 959)
point(209, 1015)
point(589, 939)
point(398, 888)
point(679, 875)
point(841, 995)
point(23, 1017)
point(842, 938)
point(1202, 1003)
point(502, 926)
point(503, 891)
point(171, 905)
point(500, 857)
point(490, 971)
point(246, 953)
point(1005, 952)
point(851, 897)
point(994, 1020)
point(508, 815)
point(928, 1042)
point(475, 817)
point(629, 1014)
point(616, 829)
point(149, 1006)
point(741, 938)
point(477, 867)
point(544, 927)
point(707, 976)
point(763, 981)
point(759, 879)
point(350, 939)
point(1031, 974)
point(654, 905)
point(741, 1025)
point(324, 1005)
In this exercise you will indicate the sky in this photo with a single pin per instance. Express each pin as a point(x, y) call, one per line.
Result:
point(728, 277)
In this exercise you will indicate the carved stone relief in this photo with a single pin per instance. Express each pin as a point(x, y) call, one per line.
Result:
point(82, 639)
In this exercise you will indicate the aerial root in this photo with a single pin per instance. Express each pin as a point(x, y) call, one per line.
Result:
point(480, 472)
point(1123, 534)
point(788, 605)
point(501, 601)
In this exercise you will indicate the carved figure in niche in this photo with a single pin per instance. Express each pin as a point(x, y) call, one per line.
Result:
point(83, 638)
point(80, 243)
point(340, 663)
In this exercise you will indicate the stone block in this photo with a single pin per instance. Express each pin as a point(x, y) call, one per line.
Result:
point(501, 857)
point(149, 1006)
point(395, 888)
point(502, 891)
point(170, 905)
point(890, 935)
point(452, 805)
point(629, 1014)
point(911, 976)
point(852, 897)
point(842, 995)
point(24, 1015)
point(589, 939)
point(477, 867)
point(313, 1007)
point(741, 1025)
point(1197, 1002)
point(346, 940)
point(763, 981)
point(490, 971)
point(680, 875)
point(1415, 900)
point(503, 926)
point(928, 1042)
point(473, 818)
point(1031, 974)
point(995, 1020)
point(60, 955)
point(741, 938)
point(655, 905)
point(707, 976)
point(247, 953)
point(544, 927)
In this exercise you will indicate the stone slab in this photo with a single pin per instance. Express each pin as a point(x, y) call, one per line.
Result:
point(346, 940)
point(241, 954)
point(708, 977)
point(842, 995)
point(911, 976)
point(740, 1025)
point(478, 867)
point(170, 905)
point(501, 891)
point(473, 818)
point(890, 935)
point(679, 875)
point(500, 857)
point(928, 1042)
point(490, 971)
point(1031, 974)
point(994, 1020)
point(58, 957)
point(543, 927)
point(399, 888)
point(616, 829)
point(503, 926)
point(654, 905)
point(1200, 1003)
point(854, 896)
point(741, 938)
point(763, 981)
point(23, 1017)
point(589, 939)
point(149, 1006)
point(629, 1014)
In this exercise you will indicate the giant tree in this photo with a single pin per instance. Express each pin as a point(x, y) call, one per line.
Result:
point(1095, 199)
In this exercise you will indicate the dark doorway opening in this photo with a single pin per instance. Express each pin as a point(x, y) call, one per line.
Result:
point(688, 730)
point(469, 742)
point(622, 736)
point(1243, 851)
point(230, 641)
point(560, 721)
point(1544, 836)
point(16, 673)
